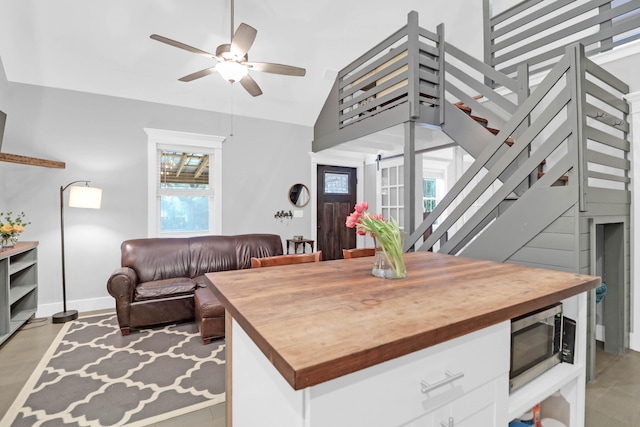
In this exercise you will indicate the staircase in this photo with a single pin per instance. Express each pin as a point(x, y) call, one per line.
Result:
point(547, 159)
point(549, 123)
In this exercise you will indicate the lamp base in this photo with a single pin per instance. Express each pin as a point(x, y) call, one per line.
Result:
point(64, 316)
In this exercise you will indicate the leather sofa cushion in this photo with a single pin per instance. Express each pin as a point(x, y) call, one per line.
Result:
point(208, 305)
point(157, 258)
point(164, 288)
point(212, 253)
point(201, 281)
point(256, 245)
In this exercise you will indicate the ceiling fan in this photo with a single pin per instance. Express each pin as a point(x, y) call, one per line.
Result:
point(233, 64)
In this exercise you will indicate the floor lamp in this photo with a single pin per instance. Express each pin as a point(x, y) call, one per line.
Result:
point(79, 197)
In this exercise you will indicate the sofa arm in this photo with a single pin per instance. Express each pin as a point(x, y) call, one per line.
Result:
point(122, 285)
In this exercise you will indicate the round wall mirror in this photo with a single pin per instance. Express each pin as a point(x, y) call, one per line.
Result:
point(299, 195)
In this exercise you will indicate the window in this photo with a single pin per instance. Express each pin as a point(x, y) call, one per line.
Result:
point(185, 172)
point(185, 192)
point(336, 183)
point(429, 199)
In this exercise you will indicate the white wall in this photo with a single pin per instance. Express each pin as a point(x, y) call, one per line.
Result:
point(4, 98)
point(262, 161)
point(101, 139)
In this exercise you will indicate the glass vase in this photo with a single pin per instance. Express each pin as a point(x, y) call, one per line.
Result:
point(388, 262)
point(8, 242)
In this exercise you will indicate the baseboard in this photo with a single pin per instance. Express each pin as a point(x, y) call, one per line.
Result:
point(634, 341)
point(83, 306)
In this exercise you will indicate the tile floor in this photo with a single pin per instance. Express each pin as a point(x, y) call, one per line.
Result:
point(613, 398)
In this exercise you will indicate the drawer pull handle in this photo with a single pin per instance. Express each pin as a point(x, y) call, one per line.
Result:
point(426, 387)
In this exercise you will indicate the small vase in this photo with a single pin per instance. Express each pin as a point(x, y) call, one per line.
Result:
point(388, 263)
point(9, 242)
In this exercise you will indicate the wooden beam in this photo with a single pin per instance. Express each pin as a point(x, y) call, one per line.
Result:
point(202, 167)
point(32, 161)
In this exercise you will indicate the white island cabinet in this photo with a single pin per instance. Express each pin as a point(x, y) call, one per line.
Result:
point(461, 389)
point(328, 345)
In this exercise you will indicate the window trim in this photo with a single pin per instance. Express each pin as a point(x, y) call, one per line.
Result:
point(167, 139)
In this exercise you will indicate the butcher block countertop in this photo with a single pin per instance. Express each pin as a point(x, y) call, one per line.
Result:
point(319, 321)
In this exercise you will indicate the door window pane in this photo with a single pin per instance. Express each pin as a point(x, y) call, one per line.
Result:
point(392, 192)
point(393, 200)
point(336, 183)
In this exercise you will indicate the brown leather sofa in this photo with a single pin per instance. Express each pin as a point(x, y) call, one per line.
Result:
point(159, 276)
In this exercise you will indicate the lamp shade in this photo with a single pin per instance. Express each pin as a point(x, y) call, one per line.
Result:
point(85, 197)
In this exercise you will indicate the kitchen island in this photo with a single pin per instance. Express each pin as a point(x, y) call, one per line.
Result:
point(327, 344)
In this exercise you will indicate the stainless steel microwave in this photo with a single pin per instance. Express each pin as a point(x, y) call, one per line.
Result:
point(536, 344)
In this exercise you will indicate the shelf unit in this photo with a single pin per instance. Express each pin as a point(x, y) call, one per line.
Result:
point(18, 287)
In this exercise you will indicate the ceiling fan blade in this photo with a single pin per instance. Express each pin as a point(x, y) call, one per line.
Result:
point(250, 85)
point(267, 67)
point(181, 45)
point(243, 39)
point(198, 74)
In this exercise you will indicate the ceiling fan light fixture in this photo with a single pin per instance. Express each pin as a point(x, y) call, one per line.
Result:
point(231, 71)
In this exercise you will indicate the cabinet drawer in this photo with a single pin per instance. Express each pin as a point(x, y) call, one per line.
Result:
point(480, 407)
point(391, 394)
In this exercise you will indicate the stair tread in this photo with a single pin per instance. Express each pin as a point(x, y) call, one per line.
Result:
point(484, 122)
point(480, 120)
point(562, 178)
point(509, 141)
point(463, 107)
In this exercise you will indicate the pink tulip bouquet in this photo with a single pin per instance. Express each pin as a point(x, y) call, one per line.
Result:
point(386, 233)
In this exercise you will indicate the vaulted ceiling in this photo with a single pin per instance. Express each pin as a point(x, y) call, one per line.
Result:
point(103, 47)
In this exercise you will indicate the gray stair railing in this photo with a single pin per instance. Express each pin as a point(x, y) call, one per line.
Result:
point(557, 112)
point(538, 31)
point(397, 80)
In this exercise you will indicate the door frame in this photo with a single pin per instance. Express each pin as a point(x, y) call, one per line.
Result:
point(621, 320)
point(329, 160)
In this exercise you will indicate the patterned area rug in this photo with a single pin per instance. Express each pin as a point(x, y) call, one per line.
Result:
point(93, 376)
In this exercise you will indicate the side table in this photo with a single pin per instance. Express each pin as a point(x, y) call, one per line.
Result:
point(298, 242)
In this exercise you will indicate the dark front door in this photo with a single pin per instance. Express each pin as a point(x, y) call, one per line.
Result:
point(336, 200)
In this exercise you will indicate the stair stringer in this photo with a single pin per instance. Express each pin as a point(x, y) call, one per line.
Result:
point(472, 137)
point(523, 221)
